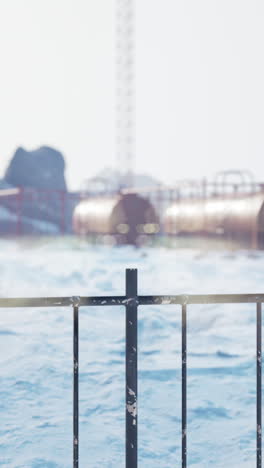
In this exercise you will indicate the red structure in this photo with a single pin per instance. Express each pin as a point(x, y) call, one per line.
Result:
point(227, 208)
point(26, 211)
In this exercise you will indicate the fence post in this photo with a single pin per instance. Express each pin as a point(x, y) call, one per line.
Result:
point(75, 383)
point(131, 368)
point(184, 386)
point(259, 386)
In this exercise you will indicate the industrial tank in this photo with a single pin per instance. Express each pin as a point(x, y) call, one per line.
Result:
point(238, 217)
point(127, 217)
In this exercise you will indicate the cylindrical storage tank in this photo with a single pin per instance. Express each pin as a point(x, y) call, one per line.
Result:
point(238, 217)
point(127, 217)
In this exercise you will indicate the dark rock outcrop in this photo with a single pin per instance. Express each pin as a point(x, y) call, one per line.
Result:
point(41, 169)
point(44, 196)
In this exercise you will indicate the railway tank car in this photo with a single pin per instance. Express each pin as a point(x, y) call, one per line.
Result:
point(126, 217)
point(238, 217)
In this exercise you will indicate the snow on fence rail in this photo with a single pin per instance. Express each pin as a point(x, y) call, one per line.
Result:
point(131, 301)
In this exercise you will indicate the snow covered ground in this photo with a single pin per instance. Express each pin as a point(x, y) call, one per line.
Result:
point(36, 357)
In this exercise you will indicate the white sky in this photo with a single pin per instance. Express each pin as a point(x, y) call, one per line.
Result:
point(199, 86)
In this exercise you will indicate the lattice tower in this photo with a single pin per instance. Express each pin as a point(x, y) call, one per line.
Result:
point(125, 95)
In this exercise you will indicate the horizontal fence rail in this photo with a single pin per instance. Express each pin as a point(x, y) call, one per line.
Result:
point(131, 301)
point(123, 300)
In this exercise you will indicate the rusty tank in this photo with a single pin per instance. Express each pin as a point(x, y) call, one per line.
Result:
point(126, 217)
point(238, 217)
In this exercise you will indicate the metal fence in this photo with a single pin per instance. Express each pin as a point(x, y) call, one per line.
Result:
point(131, 301)
point(31, 211)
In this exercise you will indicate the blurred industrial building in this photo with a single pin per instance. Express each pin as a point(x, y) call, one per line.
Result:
point(34, 200)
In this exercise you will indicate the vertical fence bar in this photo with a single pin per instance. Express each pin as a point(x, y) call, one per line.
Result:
point(131, 368)
point(259, 386)
point(75, 387)
point(184, 387)
point(19, 202)
point(62, 200)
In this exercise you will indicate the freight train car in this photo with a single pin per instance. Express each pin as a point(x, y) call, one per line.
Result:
point(128, 218)
point(238, 217)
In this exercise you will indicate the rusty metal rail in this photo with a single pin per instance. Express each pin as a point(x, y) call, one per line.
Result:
point(131, 301)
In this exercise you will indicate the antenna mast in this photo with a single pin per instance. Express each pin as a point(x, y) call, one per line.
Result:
point(125, 90)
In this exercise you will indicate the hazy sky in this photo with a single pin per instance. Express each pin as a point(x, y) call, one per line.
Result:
point(199, 85)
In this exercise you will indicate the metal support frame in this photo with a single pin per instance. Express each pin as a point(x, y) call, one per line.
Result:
point(131, 369)
point(125, 93)
point(259, 386)
point(184, 387)
point(75, 387)
point(131, 301)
